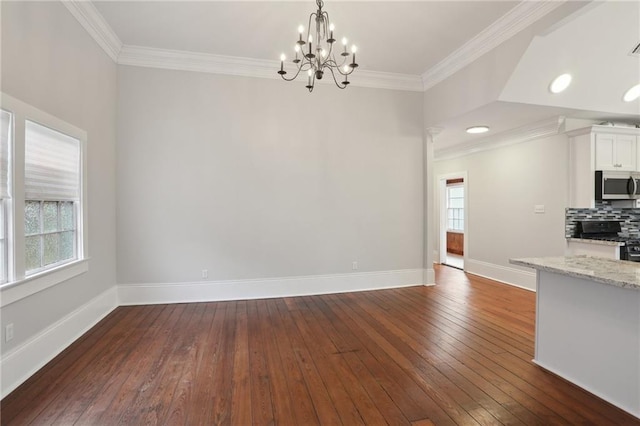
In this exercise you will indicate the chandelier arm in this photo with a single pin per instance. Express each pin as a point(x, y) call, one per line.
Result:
point(344, 86)
point(299, 70)
point(292, 78)
point(332, 64)
point(342, 64)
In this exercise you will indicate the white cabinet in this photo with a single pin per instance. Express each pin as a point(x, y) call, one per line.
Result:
point(615, 152)
point(599, 148)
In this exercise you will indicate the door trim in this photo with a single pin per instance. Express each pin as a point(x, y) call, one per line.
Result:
point(442, 215)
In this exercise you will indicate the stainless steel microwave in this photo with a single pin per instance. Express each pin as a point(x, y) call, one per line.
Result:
point(612, 185)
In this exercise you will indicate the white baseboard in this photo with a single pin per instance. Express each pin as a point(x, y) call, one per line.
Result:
point(429, 277)
point(503, 274)
point(22, 362)
point(209, 291)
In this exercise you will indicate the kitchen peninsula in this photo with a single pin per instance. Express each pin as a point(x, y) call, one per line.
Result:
point(588, 324)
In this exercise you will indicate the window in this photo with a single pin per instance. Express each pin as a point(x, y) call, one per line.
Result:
point(455, 208)
point(52, 193)
point(6, 119)
point(42, 200)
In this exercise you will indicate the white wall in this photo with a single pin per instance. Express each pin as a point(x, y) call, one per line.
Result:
point(254, 178)
point(50, 62)
point(504, 185)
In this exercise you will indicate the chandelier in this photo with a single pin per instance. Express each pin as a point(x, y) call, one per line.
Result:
point(318, 57)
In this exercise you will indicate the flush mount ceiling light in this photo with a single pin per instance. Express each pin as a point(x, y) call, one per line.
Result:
point(632, 94)
point(478, 129)
point(320, 59)
point(560, 83)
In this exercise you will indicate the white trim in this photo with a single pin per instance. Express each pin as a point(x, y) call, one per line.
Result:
point(22, 362)
point(429, 277)
point(511, 23)
point(206, 291)
point(537, 130)
point(20, 286)
point(95, 24)
point(100, 30)
point(514, 21)
point(617, 130)
point(503, 274)
point(141, 56)
point(441, 182)
point(12, 292)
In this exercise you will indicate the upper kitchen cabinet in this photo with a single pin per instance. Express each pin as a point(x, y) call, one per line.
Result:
point(599, 148)
point(615, 151)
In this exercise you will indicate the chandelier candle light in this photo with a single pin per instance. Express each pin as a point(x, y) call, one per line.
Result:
point(322, 59)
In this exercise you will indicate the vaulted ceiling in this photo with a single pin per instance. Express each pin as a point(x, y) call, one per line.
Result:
point(479, 62)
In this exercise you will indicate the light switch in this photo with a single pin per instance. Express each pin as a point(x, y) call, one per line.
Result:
point(538, 208)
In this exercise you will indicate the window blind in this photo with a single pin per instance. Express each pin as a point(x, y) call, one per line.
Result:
point(52, 164)
point(5, 128)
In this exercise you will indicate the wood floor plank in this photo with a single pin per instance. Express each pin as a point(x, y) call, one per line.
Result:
point(325, 409)
point(112, 384)
point(355, 377)
point(205, 384)
point(241, 391)
point(303, 408)
point(315, 339)
point(261, 402)
point(456, 353)
point(353, 352)
point(144, 392)
point(409, 381)
point(458, 347)
point(220, 405)
point(463, 391)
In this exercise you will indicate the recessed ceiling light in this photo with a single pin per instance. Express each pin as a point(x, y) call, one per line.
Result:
point(478, 129)
point(560, 83)
point(632, 94)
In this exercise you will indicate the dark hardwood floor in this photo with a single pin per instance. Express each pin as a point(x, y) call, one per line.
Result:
point(456, 353)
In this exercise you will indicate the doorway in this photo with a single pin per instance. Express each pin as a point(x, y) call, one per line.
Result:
point(453, 214)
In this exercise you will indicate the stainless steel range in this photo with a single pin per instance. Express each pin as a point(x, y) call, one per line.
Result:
point(610, 230)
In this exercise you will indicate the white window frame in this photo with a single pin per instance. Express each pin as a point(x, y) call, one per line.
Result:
point(4, 209)
point(19, 285)
point(461, 210)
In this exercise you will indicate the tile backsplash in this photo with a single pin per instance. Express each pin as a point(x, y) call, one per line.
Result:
point(629, 218)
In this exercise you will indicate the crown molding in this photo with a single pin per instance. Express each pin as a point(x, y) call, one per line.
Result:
point(141, 56)
point(511, 23)
point(95, 24)
point(434, 131)
point(514, 21)
point(536, 130)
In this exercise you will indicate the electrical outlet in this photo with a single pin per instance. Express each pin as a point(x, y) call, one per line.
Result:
point(8, 333)
point(354, 266)
point(538, 208)
point(205, 273)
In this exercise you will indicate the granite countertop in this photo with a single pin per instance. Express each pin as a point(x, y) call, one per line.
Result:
point(619, 273)
point(597, 242)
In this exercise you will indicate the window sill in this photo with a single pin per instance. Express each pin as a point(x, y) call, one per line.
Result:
point(455, 231)
point(17, 290)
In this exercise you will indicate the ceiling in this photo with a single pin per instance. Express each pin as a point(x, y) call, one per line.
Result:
point(431, 39)
point(407, 37)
